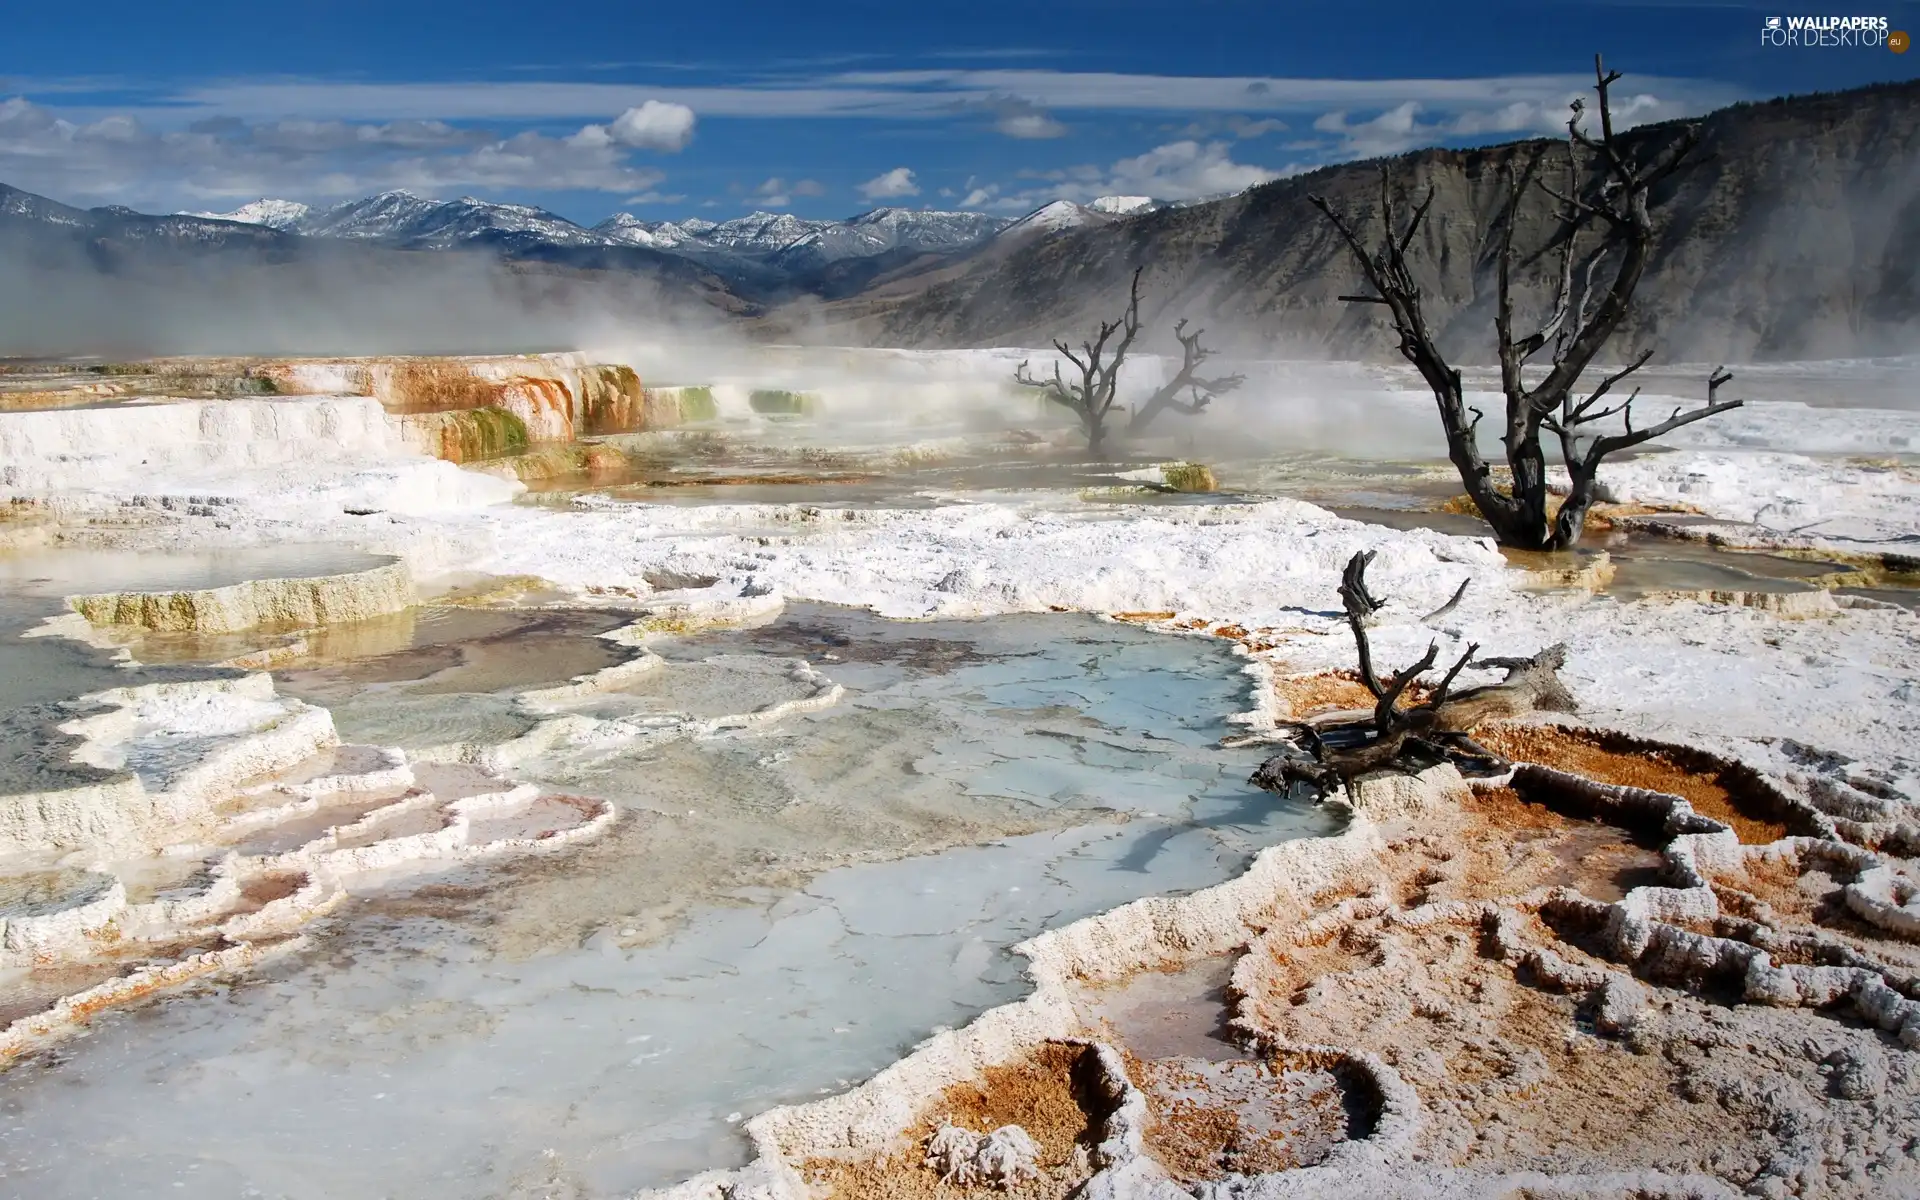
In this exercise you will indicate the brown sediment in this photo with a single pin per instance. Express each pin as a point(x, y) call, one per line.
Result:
point(1144, 617)
point(1775, 882)
point(1601, 860)
point(1600, 518)
point(1041, 1092)
point(1327, 691)
point(430, 385)
point(262, 890)
point(1617, 759)
point(1242, 1116)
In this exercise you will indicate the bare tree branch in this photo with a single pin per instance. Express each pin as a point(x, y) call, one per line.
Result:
point(1360, 605)
point(1203, 390)
point(1604, 446)
point(1384, 711)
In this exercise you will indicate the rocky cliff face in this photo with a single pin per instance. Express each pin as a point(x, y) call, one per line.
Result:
point(1795, 234)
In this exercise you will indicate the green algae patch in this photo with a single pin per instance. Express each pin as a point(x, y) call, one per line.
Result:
point(481, 433)
point(1190, 477)
point(696, 404)
point(780, 402)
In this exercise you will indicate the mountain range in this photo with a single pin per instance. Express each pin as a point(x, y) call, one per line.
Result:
point(403, 219)
point(1795, 233)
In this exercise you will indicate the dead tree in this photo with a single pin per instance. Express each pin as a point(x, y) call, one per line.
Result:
point(1091, 397)
point(1201, 391)
point(1327, 754)
point(1604, 229)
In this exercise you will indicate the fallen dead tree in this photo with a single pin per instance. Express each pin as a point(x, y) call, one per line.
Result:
point(1326, 754)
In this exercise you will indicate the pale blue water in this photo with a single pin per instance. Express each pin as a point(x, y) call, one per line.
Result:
point(405, 1057)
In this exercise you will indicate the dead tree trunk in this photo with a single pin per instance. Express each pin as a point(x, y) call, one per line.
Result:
point(1091, 396)
point(1604, 226)
point(1328, 754)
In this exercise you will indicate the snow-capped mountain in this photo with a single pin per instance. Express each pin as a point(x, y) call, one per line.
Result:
point(386, 215)
point(779, 240)
point(796, 242)
point(754, 234)
point(436, 225)
point(1054, 217)
point(625, 229)
point(274, 214)
point(1127, 206)
point(468, 218)
point(886, 229)
point(401, 216)
point(758, 232)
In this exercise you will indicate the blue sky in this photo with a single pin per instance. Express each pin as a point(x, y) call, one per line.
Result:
point(827, 109)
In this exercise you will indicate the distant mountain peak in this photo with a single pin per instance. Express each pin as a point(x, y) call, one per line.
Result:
point(1126, 206)
point(1054, 217)
point(274, 214)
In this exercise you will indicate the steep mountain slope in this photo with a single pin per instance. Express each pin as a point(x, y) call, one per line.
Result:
point(17, 205)
point(1056, 217)
point(1796, 234)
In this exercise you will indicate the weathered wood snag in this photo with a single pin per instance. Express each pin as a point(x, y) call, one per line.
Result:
point(1603, 228)
point(1091, 397)
point(1332, 751)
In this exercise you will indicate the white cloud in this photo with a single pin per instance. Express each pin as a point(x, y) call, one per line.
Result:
point(1391, 132)
point(779, 193)
point(890, 185)
point(1030, 125)
point(321, 138)
point(591, 137)
point(896, 94)
point(1185, 170)
point(119, 158)
point(1016, 117)
point(1182, 170)
point(1237, 126)
point(1401, 128)
point(654, 125)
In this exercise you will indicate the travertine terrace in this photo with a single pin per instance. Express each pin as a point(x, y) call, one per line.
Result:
point(1669, 954)
point(1540, 984)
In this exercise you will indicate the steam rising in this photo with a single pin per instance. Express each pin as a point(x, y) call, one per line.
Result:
point(68, 299)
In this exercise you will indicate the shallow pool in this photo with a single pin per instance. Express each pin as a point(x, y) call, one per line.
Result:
point(785, 909)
